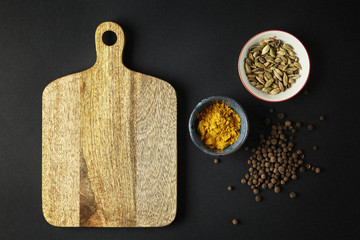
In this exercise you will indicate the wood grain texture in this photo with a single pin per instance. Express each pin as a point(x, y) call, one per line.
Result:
point(61, 151)
point(109, 145)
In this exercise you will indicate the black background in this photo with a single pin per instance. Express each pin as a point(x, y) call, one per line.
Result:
point(194, 45)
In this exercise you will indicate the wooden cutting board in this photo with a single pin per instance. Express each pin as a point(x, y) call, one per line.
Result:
point(109, 145)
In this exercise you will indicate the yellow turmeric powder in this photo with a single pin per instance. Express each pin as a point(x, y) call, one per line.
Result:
point(219, 126)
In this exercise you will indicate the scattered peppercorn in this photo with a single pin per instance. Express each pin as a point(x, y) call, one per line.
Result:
point(310, 127)
point(230, 188)
point(276, 159)
point(267, 121)
point(292, 195)
point(216, 160)
point(317, 170)
point(315, 148)
point(246, 148)
point(235, 221)
point(322, 118)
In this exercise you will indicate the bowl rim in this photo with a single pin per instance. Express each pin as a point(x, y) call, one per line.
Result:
point(255, 95)
point(204, 101)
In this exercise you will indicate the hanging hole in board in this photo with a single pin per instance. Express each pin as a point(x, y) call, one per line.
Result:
point(109, 38)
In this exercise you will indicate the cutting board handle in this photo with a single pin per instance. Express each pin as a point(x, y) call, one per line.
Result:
point(106, 53)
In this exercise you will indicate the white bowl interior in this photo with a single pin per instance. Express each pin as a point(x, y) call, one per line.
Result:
point(301, 53)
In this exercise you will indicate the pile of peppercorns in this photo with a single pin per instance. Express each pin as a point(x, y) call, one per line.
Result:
point(276, 160)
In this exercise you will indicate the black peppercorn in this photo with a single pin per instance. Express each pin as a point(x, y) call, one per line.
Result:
point(292, 195)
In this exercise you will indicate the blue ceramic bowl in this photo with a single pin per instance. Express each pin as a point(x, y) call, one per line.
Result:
point(244, 127)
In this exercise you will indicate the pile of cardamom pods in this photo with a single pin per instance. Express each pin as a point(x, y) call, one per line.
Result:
point(272, 66)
